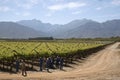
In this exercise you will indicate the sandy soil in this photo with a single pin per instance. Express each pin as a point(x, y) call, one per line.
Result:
point(103, 65)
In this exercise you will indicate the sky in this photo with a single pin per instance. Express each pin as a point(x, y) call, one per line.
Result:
point(59, 11)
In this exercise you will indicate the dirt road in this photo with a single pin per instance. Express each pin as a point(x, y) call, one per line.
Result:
point(103, 65)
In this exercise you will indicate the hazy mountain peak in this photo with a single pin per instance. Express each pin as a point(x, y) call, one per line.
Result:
point(76, 28)
point(14, 30)
point(79, 21)
point(35, 21)
point(36, 24)
point(32, 21)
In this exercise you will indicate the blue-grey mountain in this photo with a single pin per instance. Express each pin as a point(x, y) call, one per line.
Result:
point(14, 30)
point(75, 29)
point(78, 28)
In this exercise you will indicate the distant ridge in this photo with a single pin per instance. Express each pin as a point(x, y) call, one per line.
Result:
point(84, 28)
point(14, 30)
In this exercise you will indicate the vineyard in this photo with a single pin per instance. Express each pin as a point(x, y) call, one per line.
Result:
point(31, 51)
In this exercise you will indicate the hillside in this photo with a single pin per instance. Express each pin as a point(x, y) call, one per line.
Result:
point(75, 29)
point(78, 28)
point(39, 25)
point(14, 30)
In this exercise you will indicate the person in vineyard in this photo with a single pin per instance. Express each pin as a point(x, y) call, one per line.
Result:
point(41, 63)
point(23, 68)
point(57, 61)
point(61, 63)
point(48, 63)
point(52, 62)
point(44, 62)
point(17, 65)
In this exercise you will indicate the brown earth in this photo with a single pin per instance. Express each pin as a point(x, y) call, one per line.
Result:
point(103, 65)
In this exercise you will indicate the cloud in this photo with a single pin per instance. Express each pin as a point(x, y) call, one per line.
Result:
point(98, 8)
point(48, 15)
point(24, 14)
point(57, 0)
point(4, 1)
point(17, 13)
point(108, 16)
point(116, 2)
point(69, 5)
point(4, 9)
point(28, 4)
point(77, 12)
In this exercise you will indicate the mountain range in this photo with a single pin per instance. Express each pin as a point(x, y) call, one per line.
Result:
point(84, 28)
point(14, 30)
